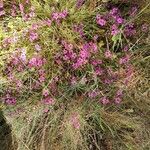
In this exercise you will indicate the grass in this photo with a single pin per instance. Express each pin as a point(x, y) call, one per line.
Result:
point(48, 127)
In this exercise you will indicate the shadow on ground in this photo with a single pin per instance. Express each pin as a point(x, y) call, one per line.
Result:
point(5, 134)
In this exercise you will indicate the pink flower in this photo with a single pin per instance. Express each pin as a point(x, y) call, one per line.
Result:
point(129, 30)
point(2, 12)
point(10, 101)
point(41, 78)
point(19, 83)
point(32, 62)
point(124, 60)
point(63, 14)
point(36, 62)
point(84, 54)
point(126, 48)
point(45, 92)
point(95, 37)
point(98, 71)
point(114, 11)
point(41, 72)
point(48, 101)
point(73, 80)
point(35, 26)
point(79, 3)
point(46, 110)
point(58, 16)
point(21, 7)
point(32, 8)
point(27, 1)
point(133, 11)
point(79, 28)
point(145, 27)
point(117, 100)
point(108, 54)
point(13, 12)
point(33, 36)
point(55, 16)
point(93, 47)
point(100, 20)
point(1, 4)
point(31, 14)
point(23, 55)
point(104, 100)
point(93, 94)
point(119, 93)
point(96, 62)
point(38, 47)
point(114, 30)
point(48, 22)
point(108, 81)
point(119, 20)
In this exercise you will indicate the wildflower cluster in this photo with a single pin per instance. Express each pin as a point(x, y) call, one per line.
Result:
point(44, 59)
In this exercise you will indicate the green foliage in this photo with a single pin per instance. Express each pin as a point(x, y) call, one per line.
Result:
point(49, 127)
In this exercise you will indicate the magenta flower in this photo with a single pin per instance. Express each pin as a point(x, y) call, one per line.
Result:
point(73, 80)
point(45, 92)
point(100, 20)
point(13, 12)
point(19, 83)
point(41, 79)
point(129, 30)
point(96, 62)
point(27, 1)
point(79, 28)
point(36, 62)
point(23, 55)
point(79, 3)
point(58, 16)
point(124, 60)
point(145, 27)
point(55, 16)
point(118, 100)
point(126, 48)
point(95, 38)
point(2, 12)
point(119, 20)
point(46, 110)
point(114, 29)
point(48, 22)
point(33, 36)
point(114, 11)
point(10, 101)
point(108, 54)
point(32, 62)
point(93, 47)
point(119, 93)
point(108, 81)
point(35, 26)
point(38, 47)
point(31, 15)
point(84, 54)
point(21, 7)
point(48, 101)
point(133, 11)
point(93, 94)
point(63, 14)
point(104, 100)
point(99, 71)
